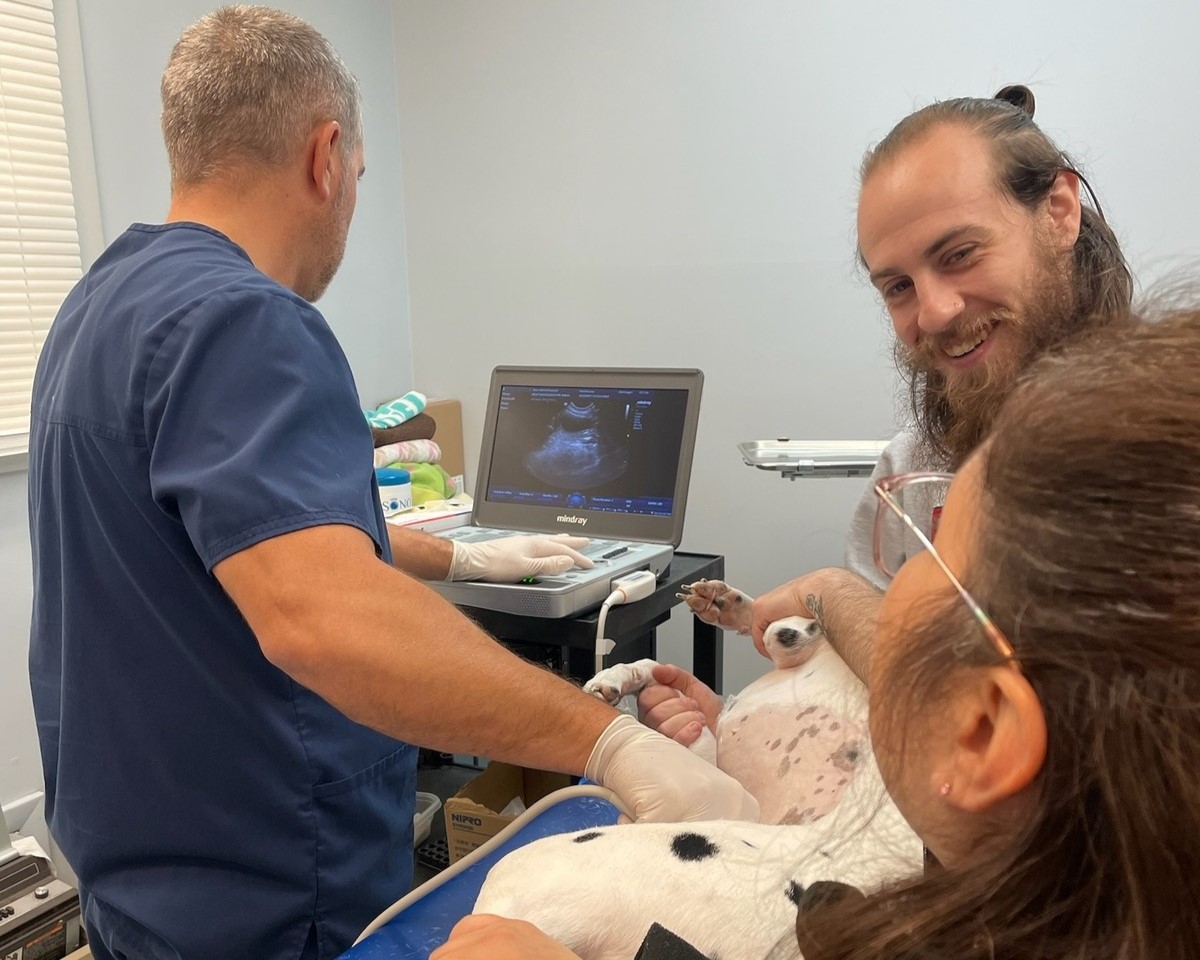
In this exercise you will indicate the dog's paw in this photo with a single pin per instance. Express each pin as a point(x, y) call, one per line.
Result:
point(791, 641)
point(621, 680)
point(715, 601)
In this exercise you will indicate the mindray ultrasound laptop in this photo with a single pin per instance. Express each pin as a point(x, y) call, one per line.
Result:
point(600, 453)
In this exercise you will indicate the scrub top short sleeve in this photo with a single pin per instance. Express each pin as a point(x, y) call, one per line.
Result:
point(250, 437)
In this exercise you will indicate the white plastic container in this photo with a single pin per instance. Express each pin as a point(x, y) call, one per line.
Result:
point(395, 490)
point(427, 806)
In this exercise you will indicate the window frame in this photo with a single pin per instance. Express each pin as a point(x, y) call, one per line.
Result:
point(82, 162)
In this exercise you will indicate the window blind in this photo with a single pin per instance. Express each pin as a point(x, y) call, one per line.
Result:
point(39, 236)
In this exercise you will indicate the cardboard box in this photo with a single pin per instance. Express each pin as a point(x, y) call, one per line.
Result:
point(472, 814)
point(449, 435)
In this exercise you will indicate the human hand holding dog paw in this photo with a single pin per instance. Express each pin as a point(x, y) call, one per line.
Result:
point(678, 705)
point(484, 937)
point(659, 780)
point(510, 559)
point(843, 604)
point(796, 598)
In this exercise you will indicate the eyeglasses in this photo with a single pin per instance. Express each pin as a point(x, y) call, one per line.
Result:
point(886, 489)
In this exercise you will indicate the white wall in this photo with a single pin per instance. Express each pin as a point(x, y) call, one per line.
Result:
point(125, 47)
point(367, 303)
point(20, 762)
point(672, 182)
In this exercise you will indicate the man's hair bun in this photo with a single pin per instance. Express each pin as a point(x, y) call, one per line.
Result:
point(1019, 96)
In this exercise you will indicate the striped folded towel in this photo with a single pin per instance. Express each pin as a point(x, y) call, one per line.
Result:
point(395, 412)
point(409, 451)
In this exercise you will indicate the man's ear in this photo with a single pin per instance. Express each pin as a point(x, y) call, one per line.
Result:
point(1064, 209)
point(324, 147)
point(999, 740)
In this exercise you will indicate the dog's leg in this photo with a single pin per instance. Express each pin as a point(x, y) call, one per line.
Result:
point(792, 641)
point(715, 601)
point(621, 680)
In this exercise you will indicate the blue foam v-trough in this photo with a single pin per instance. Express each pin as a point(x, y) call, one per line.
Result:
point(417, 924)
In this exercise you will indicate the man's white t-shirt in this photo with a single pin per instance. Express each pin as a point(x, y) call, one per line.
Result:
point(922, 502)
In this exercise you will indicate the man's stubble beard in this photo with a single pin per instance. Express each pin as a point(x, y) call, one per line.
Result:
point(952, 414)
point(329, 239)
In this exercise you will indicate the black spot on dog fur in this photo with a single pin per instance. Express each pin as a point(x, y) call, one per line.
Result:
point(794, 892)
point(692, 847)
point(847, 756)
point(585, 837)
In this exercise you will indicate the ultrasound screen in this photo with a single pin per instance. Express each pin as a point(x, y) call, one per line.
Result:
point(588, 448)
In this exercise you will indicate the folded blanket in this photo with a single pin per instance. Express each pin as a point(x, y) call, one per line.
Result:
point(420, 427)
point(411, 451)
point(395, 412)
point(429, 482)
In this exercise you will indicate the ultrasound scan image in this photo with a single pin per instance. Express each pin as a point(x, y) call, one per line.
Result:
point(583, 449)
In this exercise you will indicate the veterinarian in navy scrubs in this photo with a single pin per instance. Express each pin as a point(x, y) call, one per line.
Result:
point(227, 669)
point(1033, 693)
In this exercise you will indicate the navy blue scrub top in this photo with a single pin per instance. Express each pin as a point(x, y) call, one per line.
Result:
point(186, 407)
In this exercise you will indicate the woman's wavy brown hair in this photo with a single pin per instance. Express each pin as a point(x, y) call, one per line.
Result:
point(1087, 555)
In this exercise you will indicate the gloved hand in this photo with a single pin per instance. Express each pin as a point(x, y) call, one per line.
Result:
point(509, 559)
point(660, 780)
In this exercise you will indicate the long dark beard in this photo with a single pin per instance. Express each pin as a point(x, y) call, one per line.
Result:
point(952, 416)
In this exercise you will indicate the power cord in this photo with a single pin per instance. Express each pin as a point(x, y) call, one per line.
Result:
point(633, 586)
point(479, 853)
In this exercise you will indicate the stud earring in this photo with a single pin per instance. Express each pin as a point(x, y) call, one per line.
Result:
point(944, 789)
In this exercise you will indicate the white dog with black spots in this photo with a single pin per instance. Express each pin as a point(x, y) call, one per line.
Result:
point(797, 740)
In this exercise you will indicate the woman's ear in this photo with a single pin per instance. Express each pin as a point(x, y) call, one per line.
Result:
point(999, 740)
point(1064, 209)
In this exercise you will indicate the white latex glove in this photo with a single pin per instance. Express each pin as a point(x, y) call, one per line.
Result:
point(510, 559)
point(659, 780)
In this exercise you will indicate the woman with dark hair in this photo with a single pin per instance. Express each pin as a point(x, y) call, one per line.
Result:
point(1035, 683)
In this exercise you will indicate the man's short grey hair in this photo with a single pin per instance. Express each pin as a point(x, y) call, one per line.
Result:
point(246, 85)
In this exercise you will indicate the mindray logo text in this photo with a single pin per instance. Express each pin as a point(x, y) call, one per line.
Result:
point(582, 521)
